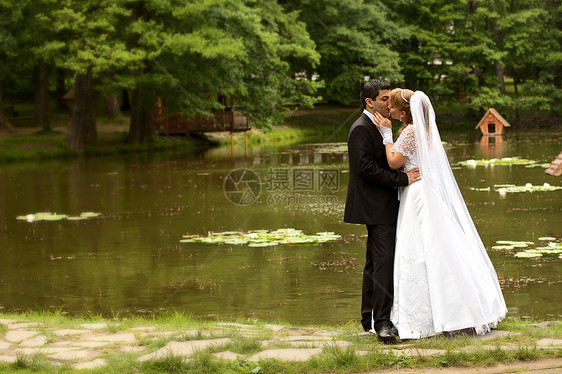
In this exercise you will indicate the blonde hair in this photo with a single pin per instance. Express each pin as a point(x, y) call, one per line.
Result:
point(400, 99)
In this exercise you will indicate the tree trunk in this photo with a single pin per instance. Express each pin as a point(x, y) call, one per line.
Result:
point(500, 74)
point(60, 90)
point(141, 129)
point(112, 107)
point(4, 123)
point(125, 103)
point(42, 96)
point(83, 128)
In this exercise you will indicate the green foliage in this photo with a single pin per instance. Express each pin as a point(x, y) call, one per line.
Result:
point(269, 55)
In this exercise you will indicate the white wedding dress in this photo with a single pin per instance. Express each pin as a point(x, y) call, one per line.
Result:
point(443, 277)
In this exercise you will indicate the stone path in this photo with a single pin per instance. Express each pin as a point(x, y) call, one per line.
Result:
point(85, 346)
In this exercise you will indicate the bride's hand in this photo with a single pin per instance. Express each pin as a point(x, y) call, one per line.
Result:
point(379, 120)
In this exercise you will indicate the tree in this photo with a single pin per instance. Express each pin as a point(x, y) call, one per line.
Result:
point(353, 37)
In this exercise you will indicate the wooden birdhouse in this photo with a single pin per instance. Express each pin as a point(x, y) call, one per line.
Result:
point(492, 123)
point(555, 168)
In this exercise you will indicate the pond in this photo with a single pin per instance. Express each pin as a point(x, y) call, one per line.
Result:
point(130, 259)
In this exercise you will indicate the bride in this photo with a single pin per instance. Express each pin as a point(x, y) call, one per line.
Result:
point(443, 277)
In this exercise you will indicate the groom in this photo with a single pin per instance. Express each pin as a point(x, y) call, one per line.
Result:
point(372, 200)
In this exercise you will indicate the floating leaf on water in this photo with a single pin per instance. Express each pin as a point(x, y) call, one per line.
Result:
point(226, 233)
point(528, 254)
point(481, 189)
point(528, 188)
point(89, 214)
point(494, 161)
point(546, 238)
point(515, 243)
point(262, 238)
point(263, 244)
point(550, 251)
point(501, 247)
point(49, 216)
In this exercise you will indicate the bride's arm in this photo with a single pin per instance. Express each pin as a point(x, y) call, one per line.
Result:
point(395, 159)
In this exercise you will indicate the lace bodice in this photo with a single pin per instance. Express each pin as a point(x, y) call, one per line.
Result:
point(406, 145)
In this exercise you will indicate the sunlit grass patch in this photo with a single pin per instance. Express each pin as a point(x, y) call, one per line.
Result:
point(36, 363)
point(167, 364)
point(242, 345)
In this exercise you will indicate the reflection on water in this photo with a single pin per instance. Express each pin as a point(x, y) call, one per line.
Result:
point(493, 146)
point(131, 259)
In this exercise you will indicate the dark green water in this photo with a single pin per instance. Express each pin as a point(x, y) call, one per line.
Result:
point(130, 260)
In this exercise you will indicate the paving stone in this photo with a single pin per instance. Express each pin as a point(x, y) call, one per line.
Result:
point(89, 344)
point(183, 348)
point(37, 341)
point(321, 344)
point(327, 333)
point(489, 348)
point(97, 363)
point(274, 327)
point(23, 325)
point(549, 343)
point(496, 334)
point(411, 352)
point(545, 324)
point(157, 334)
point(132, 348)
point(227, 355)
point(5, 345)
point(62, 343)
point(286, 354)
point(71, 355)
point(296, 338)
point(44, 350)
point(68, 332)
point(143, 328)
point(114, 338)
point(6, 321)
point(19, 336)
point(94, 326)
point(236, 325)
point(8, 359)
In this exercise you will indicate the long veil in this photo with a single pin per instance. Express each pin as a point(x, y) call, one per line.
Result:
point(454, 236)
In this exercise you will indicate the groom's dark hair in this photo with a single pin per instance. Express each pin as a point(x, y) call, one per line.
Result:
point(371, 89)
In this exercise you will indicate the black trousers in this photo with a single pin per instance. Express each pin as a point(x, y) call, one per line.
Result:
point(378, 283)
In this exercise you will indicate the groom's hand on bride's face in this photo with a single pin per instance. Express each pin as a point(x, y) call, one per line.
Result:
point(413, 175)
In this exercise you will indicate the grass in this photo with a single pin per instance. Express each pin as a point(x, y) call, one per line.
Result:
point(365, 352)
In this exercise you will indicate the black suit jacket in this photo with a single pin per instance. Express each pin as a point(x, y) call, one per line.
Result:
point(372, 197)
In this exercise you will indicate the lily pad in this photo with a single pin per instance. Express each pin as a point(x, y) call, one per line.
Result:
point(262, 238)
point(495, 161)
point(528, 254)
point(546, 238)
point(528, 188)
point(78, 218)
point(49, 216)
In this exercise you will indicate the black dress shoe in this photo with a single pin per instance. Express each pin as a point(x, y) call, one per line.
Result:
point(394, 330)
point(385, 333)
